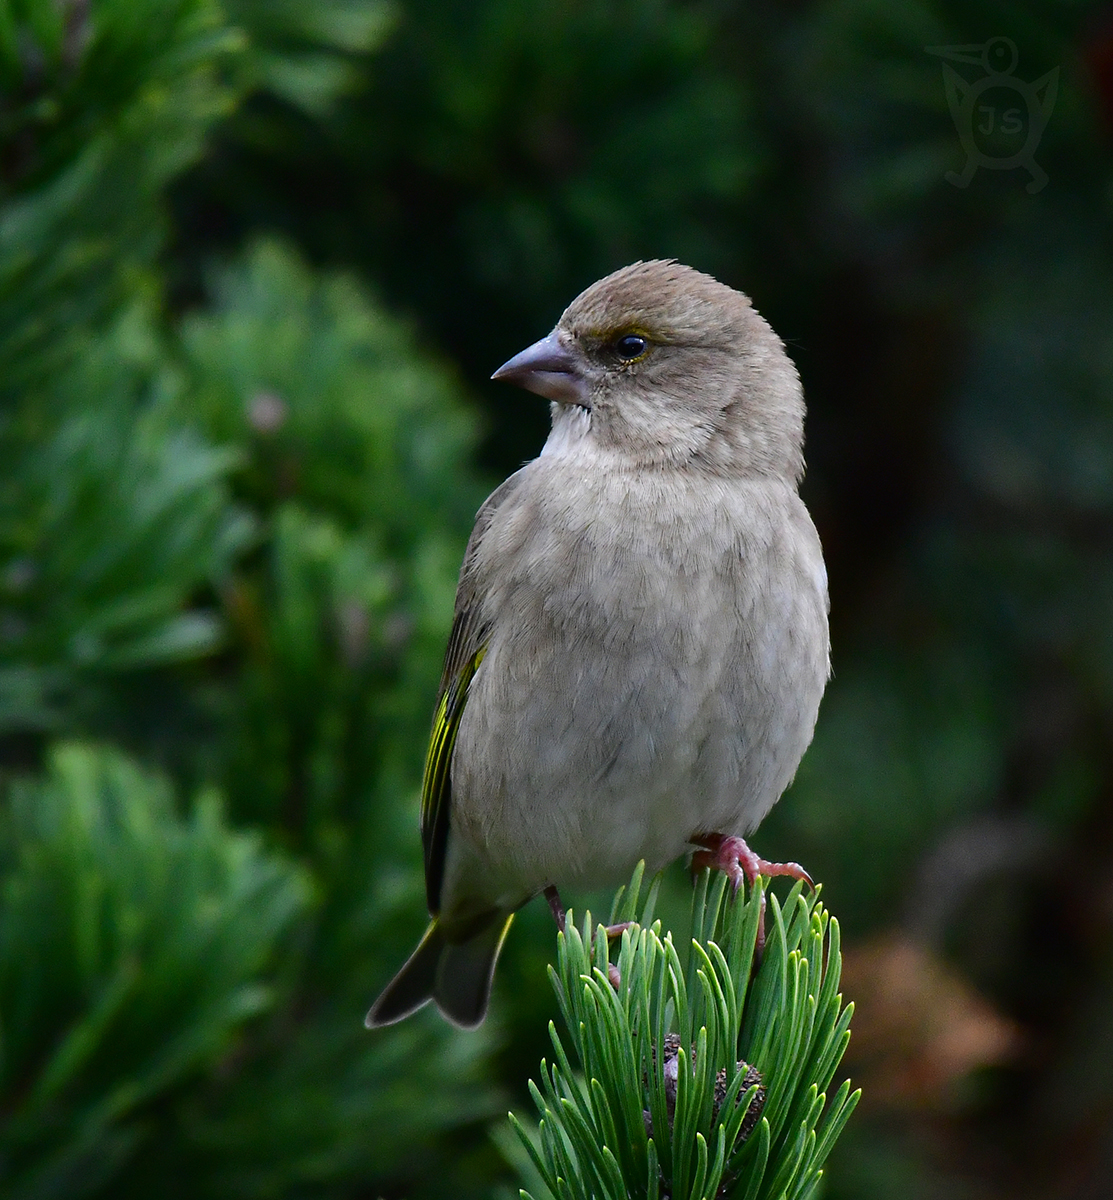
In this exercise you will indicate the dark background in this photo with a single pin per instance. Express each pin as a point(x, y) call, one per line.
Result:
point(257, 263)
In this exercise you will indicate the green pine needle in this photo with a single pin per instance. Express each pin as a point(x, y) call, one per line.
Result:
point(665, 1102)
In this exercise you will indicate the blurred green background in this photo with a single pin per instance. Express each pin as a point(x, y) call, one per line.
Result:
point(257, 261)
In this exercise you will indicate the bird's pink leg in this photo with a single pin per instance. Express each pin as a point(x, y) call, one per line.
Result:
point(738, 862)
point(556, 907)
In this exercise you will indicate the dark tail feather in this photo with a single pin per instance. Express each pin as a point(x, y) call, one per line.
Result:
point(465, 972)
point(413, 986)
point(457, 977)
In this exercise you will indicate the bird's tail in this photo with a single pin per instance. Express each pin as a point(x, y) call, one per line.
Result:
point(455, 975)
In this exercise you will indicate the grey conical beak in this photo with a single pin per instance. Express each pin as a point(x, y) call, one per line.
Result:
point(551, 369)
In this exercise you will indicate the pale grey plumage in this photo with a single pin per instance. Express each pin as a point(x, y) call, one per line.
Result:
point(651, 597)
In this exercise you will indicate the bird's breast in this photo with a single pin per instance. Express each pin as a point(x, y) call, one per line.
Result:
point(647, 639)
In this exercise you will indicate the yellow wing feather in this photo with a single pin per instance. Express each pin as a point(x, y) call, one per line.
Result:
point(436, 787)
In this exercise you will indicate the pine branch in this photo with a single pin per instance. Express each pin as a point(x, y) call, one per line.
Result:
point(697, 1078)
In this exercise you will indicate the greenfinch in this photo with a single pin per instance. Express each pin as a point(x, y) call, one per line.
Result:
point(640, 639)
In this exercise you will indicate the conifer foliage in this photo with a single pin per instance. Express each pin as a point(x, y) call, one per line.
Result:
point(702, 1078)
point(227, 552)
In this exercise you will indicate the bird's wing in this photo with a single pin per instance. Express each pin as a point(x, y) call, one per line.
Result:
point(467, 645)
point(436, 787)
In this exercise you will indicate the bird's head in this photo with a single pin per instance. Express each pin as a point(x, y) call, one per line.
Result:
point(666, 366)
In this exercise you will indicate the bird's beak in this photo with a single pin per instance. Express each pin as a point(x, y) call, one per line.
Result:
point(550, 369)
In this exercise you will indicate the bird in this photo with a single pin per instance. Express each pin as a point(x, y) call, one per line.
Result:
point(640, 638)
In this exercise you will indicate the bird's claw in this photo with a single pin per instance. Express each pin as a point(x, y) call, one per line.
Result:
point(739, 863)
point(612, 931)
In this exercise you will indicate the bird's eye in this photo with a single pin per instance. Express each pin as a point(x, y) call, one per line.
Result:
point(630, 347)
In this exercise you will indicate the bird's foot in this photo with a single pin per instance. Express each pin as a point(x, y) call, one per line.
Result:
point(613, 932)
point(738, 862)
point(556, 907)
